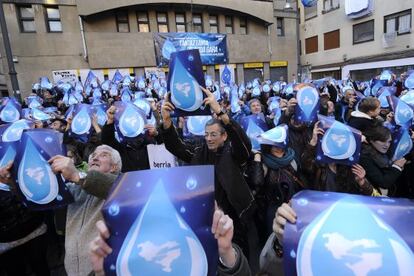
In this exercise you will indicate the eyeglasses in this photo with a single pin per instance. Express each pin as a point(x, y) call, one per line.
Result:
point(212, 134)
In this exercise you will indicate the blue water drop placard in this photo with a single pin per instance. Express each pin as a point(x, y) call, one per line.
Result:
point(161, 223)
point(38, 187)
point(352, 234)
point(184, 80)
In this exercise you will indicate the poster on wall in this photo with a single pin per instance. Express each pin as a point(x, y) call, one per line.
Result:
point(212, 47)
point(227, 75)
point(70, 76)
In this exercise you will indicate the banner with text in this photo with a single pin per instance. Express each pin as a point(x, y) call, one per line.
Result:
point(212, 47)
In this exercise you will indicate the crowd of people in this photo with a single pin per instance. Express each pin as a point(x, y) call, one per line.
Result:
point(253, 186)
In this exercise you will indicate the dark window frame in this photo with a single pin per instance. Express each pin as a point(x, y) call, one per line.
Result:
point(52, 19)
point(22, 19)
point(227, 25)
point(244, 20)
point(331, 8)
point(181, 23)
point(214, 25)
point(159, 23)
point(142, 22)
point(197, 24)
point(397, 16)
point(122, 21)
point(359, 24)
point(282, 29)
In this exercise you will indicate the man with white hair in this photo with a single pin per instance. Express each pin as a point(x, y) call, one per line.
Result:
point(89, 191)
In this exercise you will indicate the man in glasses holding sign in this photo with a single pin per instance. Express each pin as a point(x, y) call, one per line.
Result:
point(228, 148)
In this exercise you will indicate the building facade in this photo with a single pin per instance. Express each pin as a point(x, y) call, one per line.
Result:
point(333, 44)
point(54, 37)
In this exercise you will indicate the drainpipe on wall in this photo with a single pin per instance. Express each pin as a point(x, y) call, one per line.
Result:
point(269, 42)
point(85, 48)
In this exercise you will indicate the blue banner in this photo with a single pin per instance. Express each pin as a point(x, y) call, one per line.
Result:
point(212, 47)
point(343, 234)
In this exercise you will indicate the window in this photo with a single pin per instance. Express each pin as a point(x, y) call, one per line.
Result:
point(399, 23)
point(363, 32)
point(229, 24)
point(280, 26)
point(311, 12)
point(243, 25)
point(26, 19)
point(311, 44)
point(331, 40)
point(197, 23)
point(180, 22)
point(330, 5)
point(122, 23)
point(53, 19)
point(143, 22)
point(162, 21)
point(213, 24)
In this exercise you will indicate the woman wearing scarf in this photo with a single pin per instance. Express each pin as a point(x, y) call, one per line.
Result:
point(274, 174)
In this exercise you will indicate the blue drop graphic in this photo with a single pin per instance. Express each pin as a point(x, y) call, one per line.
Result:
point(8, 156)
point(278, 115)
point(383, 99)
point(117, 77)
point(40, 115)
point(126, 97)
point(386, 75)
point(409, 81)
point(370, 247)
point(9, 113)
point(106, 85)
point(307, 101)
point(45, 83)
point(408, 98)
point(277, 134)
point(266, 88)
point(114, 90)
point(339, 142)
point(167, 49)
point(36, 180)
point(403, 114)
point(253, 131)
point(72, 100)
point(196, 124)
point(404, 146)
point(34, 103)
point(256, 91)
point(102, 117)
point(186, 93)
point(226, 75)
point(160, 242)
point(81, 122)
point(14, 132)
point(144, 105)
point(131, 123)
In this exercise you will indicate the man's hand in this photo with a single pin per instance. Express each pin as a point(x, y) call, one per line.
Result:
point(5, 174)
point(110, 113)
point(222, 228)
point(166, 108)
point(284, 213)
point(65, 166)
point(99, 249)
point(214, 105)
point(152, 130)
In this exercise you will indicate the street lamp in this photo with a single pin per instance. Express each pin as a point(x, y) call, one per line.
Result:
point(288, 7)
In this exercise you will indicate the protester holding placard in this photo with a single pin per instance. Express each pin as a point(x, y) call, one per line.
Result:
point(228, 148)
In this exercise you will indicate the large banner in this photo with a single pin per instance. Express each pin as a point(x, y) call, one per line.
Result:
point(212, 47)
point(343, 234)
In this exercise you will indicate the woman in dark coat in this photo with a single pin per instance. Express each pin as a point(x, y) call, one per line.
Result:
point(381, 171)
